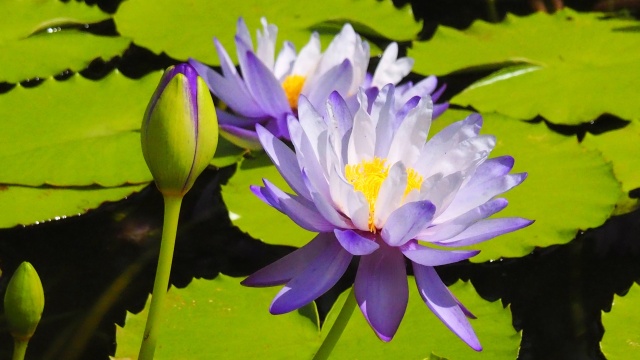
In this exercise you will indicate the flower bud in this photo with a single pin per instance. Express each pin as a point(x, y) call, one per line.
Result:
point(179, 131)
point(24, 302)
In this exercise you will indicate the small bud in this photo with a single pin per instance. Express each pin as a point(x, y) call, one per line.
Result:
point(179, 130)
point(24, 302)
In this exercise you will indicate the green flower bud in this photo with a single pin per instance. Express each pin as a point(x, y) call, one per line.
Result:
point(24, 302)
point(179, 130)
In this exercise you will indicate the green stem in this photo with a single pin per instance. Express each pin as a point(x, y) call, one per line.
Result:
point(19, 349)
point(338, 327)
point(161, 284)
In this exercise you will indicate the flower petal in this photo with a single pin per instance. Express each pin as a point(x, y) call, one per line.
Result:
point(355, 243)
point(267, 43)
point(427, 256)
point(247, 139)
point(284, 159)
point(390, 69)
point(309, 56)
point(407, 221)
point(284, 62)
point(438, 298)
point(447, 228)
point(411, 136)
point(337, 78)
point(390, 194)
point(317, 277)
point(381, 290)
point(264, 87)
point(486, 229)
point(283, 270)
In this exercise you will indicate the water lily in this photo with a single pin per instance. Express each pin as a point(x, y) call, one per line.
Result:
point(267, 90)
point(372, 186)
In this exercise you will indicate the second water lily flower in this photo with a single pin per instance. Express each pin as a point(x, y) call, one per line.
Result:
point(372, 186)
point(267, 90)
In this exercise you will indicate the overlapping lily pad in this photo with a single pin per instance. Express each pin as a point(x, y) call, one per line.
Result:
point(568, 188)
point(569, 67)
point(76, 132)
point(21, 205)
point(36, 41)
point(221, 319)
point(254, 216)
point(621, 338)
point(622, 148)
point(184, 29)
point(422, 335)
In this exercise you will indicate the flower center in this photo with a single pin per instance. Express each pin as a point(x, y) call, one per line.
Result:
point(292, 86)
point(368, 176)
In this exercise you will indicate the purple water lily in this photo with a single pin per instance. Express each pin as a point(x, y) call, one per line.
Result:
point(372, 186)
point(267, 90)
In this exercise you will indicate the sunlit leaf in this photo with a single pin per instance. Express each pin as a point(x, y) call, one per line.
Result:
point(184, 29)
point(569, 67)
point(25, 205)
point(568, 188)
point(622, 148)
point(227, 154)
point(621, 338)
point(36, 41)
point(422, 334)
point(254, 216)
point(76, 132)
point(221, 319)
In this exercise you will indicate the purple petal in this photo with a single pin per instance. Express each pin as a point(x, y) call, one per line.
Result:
point(247, 139)
point(290, 266)
point(265, 88)
point(438, 298)
point(458, 224)
point(407, 221)
point(318, 276)
point(299, 209)
point(433, 257)
point(381, 290)
point(485, 230)
point(338, 78)
point(491, 169)
point(339, 114)
point(355, 243)
point(438, 109)
point(284, 159)
point(226, 118)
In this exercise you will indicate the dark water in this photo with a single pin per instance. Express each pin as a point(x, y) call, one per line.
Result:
point(98, 266)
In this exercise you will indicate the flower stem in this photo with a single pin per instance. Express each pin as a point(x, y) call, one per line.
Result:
point(338, 327)
point(161, 284)
point(19, 349)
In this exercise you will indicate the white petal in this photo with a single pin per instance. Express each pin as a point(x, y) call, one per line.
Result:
point(411, 136)
point(390, 194)
point(390, 69)
point(267, 43)
point(308, 58)
point(284, 62)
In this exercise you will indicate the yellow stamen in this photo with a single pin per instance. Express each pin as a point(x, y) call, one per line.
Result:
point(292, 86)
point(368, 176)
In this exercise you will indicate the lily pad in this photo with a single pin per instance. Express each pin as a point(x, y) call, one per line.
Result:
point(254, 216)
point(25, 17)
point(622, 148)
point(76, 132)
point(561, 65)
point(568, 188)
point(227, 153)
point(621, 338)
point(21, 205)
point(221, 319)
point(184, 29)
point(48, 54)
point(423, 336)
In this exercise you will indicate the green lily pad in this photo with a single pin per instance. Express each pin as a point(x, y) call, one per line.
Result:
point(227, 153)
point(621, 338)
point(49, 54)
point(21, 205)
point(184, 29)
point(76, 132)
point(254, 216)
point(25, 17)
point(423, 336)
point(221, 319)
point(562, 65)
point(568, 188)
point(622, 148)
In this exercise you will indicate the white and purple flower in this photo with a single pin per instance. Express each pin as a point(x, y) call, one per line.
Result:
point(372, 186)
point(267, 90)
